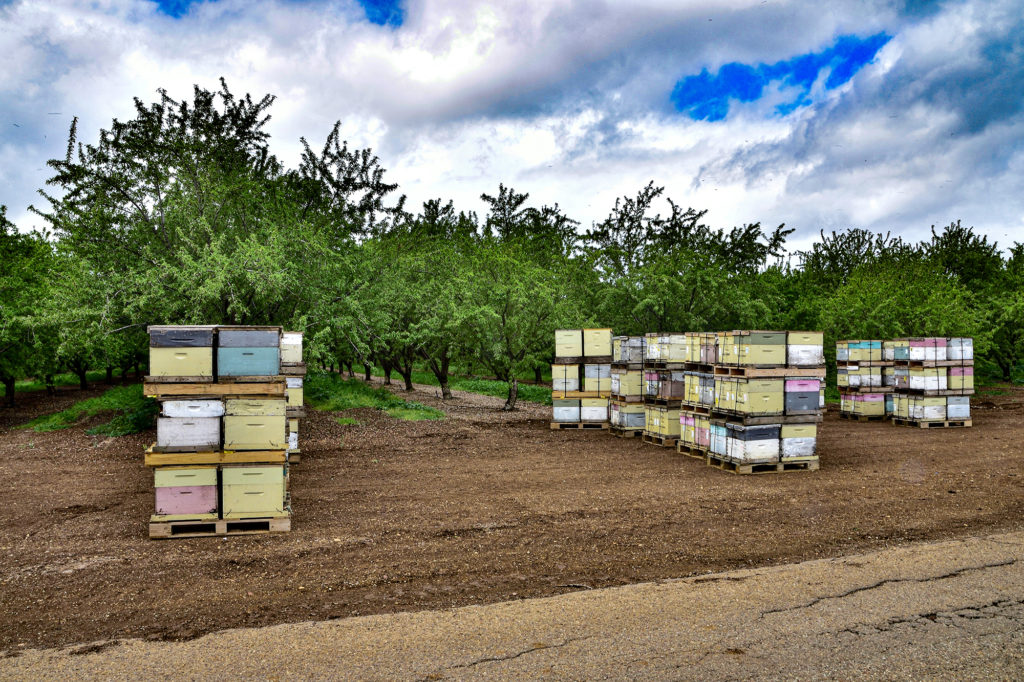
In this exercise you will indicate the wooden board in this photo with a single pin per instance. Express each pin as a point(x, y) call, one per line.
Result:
point(296, 412)
point(770, 372)
point(691, 450)
point(296, 369)
point(177, 380)
point(762, 420)
point(626, 398)
point(625, 433)
point(862, 417)
point(867, 389)
point(945, 424)
point(923, 393)
point(767, 468)
point(934, 363)
point(663, 441)
point(598, 426)
point(159, 459)
point(198, 528)
point(271, 387)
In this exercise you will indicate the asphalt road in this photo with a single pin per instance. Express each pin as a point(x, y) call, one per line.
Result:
point(938, 611)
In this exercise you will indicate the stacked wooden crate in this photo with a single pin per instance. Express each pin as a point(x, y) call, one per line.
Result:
point(934, 379)
point(865, 378)
point(700, 355)
point(664, 383)
point(220, 462)
point(767, 401)
point(626, 406)
point(581, 378)
point(294, 371)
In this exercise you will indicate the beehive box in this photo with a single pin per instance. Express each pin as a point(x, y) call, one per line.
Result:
point(628, 349)
point(597, 378)
point(671, 385)
point(805, 349)
point(627, 382)
point(674, 348)
point(927, 378)
point(662, 421)
point(627, 415)
point(594, 409)
point(569, 343)
point(186, 492)
point(597, 343)
point(294, 391)
point(960, 348)
point(753, 348)
point(248, 351)
point(930, 349)
point(253, 491)
point(960, 379)
point(750, 397)
point(291, 348)
point(192, 408)
point(168, 362)
point(752, 444)
point(798, 441)
point(565, 378)
point(255, 424)
point(565, 410)
point(801, 396)
point(188, 433)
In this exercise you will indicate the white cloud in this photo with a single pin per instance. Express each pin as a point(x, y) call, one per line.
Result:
point(566, 101)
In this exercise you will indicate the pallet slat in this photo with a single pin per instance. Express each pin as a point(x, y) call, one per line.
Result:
point(718, 462)
point(199, 528)
point(579, 425)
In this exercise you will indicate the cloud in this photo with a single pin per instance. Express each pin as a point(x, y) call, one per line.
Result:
point(571, 101)
point(706, 97)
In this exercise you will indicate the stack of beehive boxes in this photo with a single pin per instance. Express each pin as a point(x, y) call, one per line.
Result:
point(768, 401)
point(626, 406)
point(934, 379)
point(294, 371)
point(221, 457)
point(865, 378)
point(664, 383)
point(581, 378)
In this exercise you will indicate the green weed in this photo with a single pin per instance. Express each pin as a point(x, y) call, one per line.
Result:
point(132, 413)
point(332, 393)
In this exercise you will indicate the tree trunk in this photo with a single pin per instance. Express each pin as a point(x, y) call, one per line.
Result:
point(1006, 367)
point(110, 375)
point(440, 372)
point(332, 368)
point(138, 369)
point(50, 388)
point(538, 374)
point(513, 394)
point(351, 370)
point(9, 391)
point(367, 372)
point(81, 373)
point(124, 372)
point(386, 365)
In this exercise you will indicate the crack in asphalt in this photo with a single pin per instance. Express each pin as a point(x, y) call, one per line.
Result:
point(944, 618)
point(887, 581)
point(509, 657)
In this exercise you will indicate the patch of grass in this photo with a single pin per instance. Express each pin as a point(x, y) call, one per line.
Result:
point(132, 412)
point(499, 389)
point(67, 379)
point(348, 421)
point(332, 393)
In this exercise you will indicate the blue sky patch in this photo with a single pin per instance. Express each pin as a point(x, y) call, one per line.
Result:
point(174, 8)
point(383, 12)
point(706, 97)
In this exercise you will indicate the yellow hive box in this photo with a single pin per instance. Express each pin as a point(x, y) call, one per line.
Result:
point(674, 348)
point(805, 338)
point(691, 389)
point(568, 343)
point(630, 382)
point(663, 421)
point(597, 384)
point(869, 407)
point(760, 396)
point(181, 362)
point(184, 476)
point(725, 393)
point(255, 433)
point(597, 342)
point(250, 491)
point(291, 347)
point(799, 431)
point(256, 407)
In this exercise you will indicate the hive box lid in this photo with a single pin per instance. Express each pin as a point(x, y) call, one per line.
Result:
point(180, 336)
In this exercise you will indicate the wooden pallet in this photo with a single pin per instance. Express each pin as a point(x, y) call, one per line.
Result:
point(770, 372)
point(857, 364)
point(665, 365)
point(295, 412)
point(583, 426)
point(293, 369)
point(160, 459)
point(662, 402)
point(663, 441)
point(575, 395)
point(718, 462)
point(862, 417)
point(695, 408)
point(200, 528)
point(177, 380)
point(627, 365)
point(867, 389)
point(294, 457)
point(765, 420)
point(271, 387)
point(702, 367)
point(925, 364)
point(625, 433)
point(626, 398)
point(923, 393)
point(691, 450)
point(937, 424)
point(177, 449)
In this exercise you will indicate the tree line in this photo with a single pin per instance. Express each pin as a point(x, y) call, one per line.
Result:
point(182, 215)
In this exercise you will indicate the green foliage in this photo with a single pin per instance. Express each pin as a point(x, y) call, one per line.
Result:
point(348, 421)
point(133, 413)
point(332, 393)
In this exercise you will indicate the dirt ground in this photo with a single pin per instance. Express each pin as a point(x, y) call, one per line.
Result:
point(482, 507)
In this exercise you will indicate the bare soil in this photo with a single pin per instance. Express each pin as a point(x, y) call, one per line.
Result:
point(484, 506)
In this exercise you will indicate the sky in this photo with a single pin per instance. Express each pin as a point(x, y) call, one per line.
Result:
point(886, 115)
